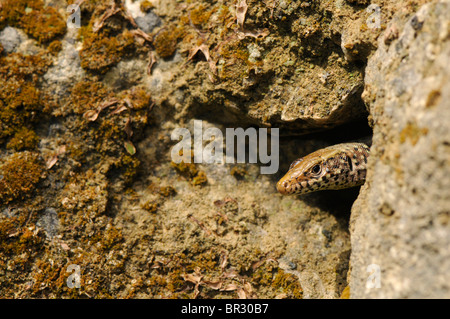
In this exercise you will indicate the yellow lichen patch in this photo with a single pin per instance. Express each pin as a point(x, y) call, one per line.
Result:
point(20, 173)
point(345, 293)
point(412, 133)
point(40, 22)
point(54, 47)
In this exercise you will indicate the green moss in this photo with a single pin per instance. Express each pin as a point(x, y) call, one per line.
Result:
point(105, 47)
point(87, 95)
point(55, 47)
point(200, 16)
point(139, 97)
point(42, 23)
point(20, 172)
point(20, 100)
point(99, 53)
point(166, 41)
point(23, 139)
point(130, 166)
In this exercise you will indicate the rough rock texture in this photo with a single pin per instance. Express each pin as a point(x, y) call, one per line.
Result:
point(401, 221)
point(86, 117)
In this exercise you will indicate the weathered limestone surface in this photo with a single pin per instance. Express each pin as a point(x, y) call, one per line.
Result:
point(401, 220)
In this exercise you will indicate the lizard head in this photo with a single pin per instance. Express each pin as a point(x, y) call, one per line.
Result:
point(335, 167)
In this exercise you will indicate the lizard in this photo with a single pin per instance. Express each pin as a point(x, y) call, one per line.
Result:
point(335, 167)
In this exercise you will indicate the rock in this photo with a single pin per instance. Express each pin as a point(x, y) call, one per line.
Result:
point(400, 224)
point(49, 222)
point(66, 71)
point(10, 39)
point(148, 22)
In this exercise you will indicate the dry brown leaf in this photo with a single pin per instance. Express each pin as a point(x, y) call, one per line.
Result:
point(92, 115)
point(241, 294)
point(128, 129)
point(216, 285)
point(241, 10)
point(258, 34)
point(200, 224)
point(223, 260)
point(205, 50)
point(119, 109)
point(193, 278)
point(151, 62)
point(230, 287)
point(54, 159)
point(64, 246)
point(142, 34)
point(110, 12)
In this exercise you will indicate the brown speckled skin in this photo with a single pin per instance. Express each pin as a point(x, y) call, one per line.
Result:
point(334, 167)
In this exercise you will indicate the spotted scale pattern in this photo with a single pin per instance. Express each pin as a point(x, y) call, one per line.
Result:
point(334, 167)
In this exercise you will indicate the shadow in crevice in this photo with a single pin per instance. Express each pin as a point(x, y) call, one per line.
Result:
point(336, 202)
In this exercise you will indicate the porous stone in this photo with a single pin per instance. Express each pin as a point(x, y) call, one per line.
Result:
point(400, 224)
point(10, 39)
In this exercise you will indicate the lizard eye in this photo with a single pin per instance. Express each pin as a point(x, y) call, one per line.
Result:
point(316, 169)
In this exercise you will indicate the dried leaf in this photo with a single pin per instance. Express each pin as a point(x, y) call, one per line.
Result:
point(64, 246)
point(223, 261)
point(51, 161)
point(193, 278)
point(241, 294)
point(259, 34)
point(109, 13)
point(216, 285)
point(128, 128)
point(151, 62)
point(205, 50)
point(91, 115)
point(230, 287)
point(119, 109)
point(142, 35)
point(54, 159)
point(241, 10)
